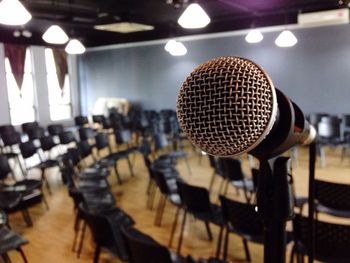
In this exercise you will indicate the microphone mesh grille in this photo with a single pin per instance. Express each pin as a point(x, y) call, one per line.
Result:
point(226, 105)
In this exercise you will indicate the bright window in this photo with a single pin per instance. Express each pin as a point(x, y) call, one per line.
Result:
point(21, 101)
point(59, 99)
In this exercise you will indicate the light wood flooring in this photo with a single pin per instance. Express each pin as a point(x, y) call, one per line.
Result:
point(51, 237)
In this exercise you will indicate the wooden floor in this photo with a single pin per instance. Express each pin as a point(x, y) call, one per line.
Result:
point(51, 237)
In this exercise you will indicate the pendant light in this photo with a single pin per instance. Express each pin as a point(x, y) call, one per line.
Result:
point(194, 17)
point(55, 35)
point(175, 48)
point(286, 39)
point(254, 36)
point(75, 47)
point(13, 13)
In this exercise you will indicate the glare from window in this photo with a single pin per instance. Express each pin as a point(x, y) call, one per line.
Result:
point(21, 101)
point(59, 99)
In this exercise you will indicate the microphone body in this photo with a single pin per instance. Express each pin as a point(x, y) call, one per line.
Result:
point(229, 105)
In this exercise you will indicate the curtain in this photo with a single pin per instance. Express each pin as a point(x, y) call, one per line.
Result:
point(60, 58)
point(16, 55)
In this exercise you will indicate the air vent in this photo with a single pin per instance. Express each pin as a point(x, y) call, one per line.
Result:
point(124, 27)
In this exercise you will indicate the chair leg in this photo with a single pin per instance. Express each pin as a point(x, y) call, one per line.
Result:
point(45, 181)
point(117, 173)
point(23, 255)
point(173, 228)
point(159, 213)
point(210, 235)
point(188, 166)
point(182, 232)
point(292, 254)
point(27, 217)
point(218, 249)
point(81, 239)
point(212, 179)
point(246, 250)
point(226, 243)
point(150, 201)
point(76, 230)
point(44, 200)
point(130, 167)
point(6, 258)
point(97, 253)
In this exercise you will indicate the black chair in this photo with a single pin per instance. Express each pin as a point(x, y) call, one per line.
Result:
point(112, 158)
point(233, 173)
point(161, 144)
point(36, 133)
point(332, 198)
point(141, 247)
point(9, 241)
point(47, 144)
point(243, 220)
point(11, 141)
point(106, 230)
point(86, 151)
point(55, 129)
point(86, 134)
point(218, 170)
point(28, 150)
point(196, 201)
point(7, 128)
point(331, 241)
point(26, 185)
point(81, 121)
point(168, 187)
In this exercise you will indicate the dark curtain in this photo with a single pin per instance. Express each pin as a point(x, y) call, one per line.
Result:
point(16, 55)
point(60, 58)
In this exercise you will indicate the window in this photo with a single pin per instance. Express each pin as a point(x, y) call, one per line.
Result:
point(59, 99)
point(21, 101)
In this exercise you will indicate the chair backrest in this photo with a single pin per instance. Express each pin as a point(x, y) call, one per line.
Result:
point(47, 143)
point(55, 129)
point(81, 120)
point(98, 119)
point(7, 129)
point(141, 247)
point(332, 241)
point(11, 138)
point(29, 125)
point(160, 179)
point(242, 217)
point(85, 149)
point(329, 127)
point(28, 149)
point(160, 141)
point(101, 141)
point(66, 137)
point(333, 195)
point(5, 168)
point(255, 177)
point(122, 136)
point(36, 133)
point(86, 133)
point(194, 198)
point(232, 169)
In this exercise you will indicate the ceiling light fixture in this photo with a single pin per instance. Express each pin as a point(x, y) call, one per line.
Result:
point(194, 17)
point(55, 35)
point(254, 36)
point(75, 47)
point(175, 48)
point(286, 39)
point(13, 13)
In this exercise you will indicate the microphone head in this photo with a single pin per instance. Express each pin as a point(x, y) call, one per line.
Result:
point(227, 106)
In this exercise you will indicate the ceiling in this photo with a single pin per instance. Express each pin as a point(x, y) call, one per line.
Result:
point(78, 17)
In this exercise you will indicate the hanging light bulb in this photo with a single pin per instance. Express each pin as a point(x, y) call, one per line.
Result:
point(170, 44)
point(254, 36)
point(175, 48)
point(286, 39)
point(13, 13)
point(74, 46)
point(55, 35)
point(194, 17)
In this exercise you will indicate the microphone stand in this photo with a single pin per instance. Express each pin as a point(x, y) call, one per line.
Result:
point(275, 205)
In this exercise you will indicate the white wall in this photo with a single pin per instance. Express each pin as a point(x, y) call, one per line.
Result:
point(39, 70)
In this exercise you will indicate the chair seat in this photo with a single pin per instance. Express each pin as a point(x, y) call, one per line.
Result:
point(29, 184)
point(9, 200)
point(11, 155)
point(333, 212)
point(3, 218)
point(175, 199)
point(47, 164)
point(9, 240)
point(214, 216)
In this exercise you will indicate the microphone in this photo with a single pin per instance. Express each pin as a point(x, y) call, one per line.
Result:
point(229, 105)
